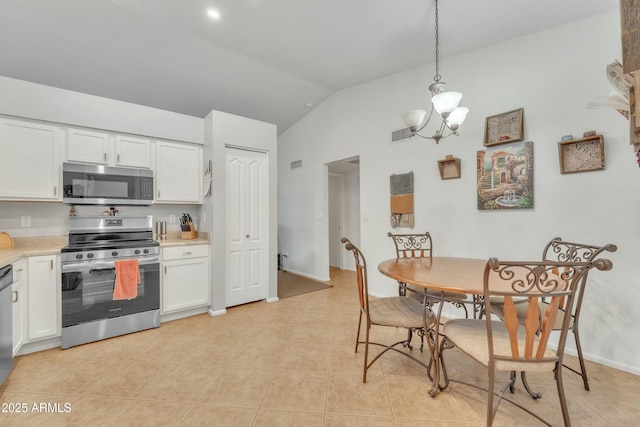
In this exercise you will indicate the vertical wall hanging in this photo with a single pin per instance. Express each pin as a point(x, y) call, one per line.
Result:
point(401, 186)
point(505, 177)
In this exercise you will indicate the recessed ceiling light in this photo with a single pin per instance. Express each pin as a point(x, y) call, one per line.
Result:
point(308, 105)
point(213, 14)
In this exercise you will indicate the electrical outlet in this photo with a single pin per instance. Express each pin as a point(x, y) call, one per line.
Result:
point(172, 219)
point(25, 221)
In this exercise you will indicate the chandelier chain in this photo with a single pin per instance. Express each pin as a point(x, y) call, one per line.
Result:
point(437, 76)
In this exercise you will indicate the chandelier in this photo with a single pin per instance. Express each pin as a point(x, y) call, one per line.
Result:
point(445, 103)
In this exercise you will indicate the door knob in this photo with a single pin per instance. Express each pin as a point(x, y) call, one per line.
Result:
point(247, 236)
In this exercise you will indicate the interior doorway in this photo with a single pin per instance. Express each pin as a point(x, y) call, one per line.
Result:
point(343, 209)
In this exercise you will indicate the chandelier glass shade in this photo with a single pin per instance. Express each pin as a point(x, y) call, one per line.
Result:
point(444, 103)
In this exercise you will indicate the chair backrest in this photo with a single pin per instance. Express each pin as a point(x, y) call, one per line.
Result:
point(412, 245)
point(528, 283)
point(561, 250)
point(361, 275)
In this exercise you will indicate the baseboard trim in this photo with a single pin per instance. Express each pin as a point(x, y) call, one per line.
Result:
point(308, 276)
point(214, 313)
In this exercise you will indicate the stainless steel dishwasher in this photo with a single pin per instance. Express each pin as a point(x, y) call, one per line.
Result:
point(6, 323)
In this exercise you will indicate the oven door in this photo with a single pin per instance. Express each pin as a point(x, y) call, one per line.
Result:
point(87, 290)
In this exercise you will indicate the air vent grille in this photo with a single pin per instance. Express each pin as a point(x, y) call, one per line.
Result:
point(399, 135)
point(296, 164)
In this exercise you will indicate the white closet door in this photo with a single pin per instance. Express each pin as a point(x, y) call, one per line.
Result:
point(246, 201)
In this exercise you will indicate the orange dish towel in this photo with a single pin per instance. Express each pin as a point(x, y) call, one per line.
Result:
point(127, 279)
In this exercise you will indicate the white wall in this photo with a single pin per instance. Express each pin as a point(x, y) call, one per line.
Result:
point(552, 75)
point(222, 130)
point(352, 203)
point(24, 99)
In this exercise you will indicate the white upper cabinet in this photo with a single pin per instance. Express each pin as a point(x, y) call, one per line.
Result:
point(88, 146)
point(133, 152)
point(178, 173)
point(30, 161)
point(103, 148)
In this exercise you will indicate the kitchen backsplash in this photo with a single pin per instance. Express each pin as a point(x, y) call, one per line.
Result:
point(51, 219)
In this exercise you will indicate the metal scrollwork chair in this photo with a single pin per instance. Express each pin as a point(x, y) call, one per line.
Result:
point(564, 251)
point(421, 246)
point(516, 344)
point(398, 312)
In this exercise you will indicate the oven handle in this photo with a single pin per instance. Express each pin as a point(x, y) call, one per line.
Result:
point(103, 265)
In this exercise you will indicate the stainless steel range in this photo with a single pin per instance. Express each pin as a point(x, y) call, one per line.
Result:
point(89, 310)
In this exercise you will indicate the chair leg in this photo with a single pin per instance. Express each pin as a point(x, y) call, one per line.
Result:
point(491, 412)
point(358, 334)
point(532, 393)
point(366, 354)
point(512, 384)
point(563, 401)
point(407, 344)
point(478, 306)
point(583, 368)
point(512, 379)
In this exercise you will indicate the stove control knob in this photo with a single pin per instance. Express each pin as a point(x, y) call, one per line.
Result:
point(79, 256)
point(114, 253)
point(137, 251)
point(89, 255)
point(146, 251)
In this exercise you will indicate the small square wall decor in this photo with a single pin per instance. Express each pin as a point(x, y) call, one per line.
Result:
point(449, 167)
point(504, 128)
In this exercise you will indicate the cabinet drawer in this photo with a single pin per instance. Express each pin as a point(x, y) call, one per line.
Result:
point(19, 270)
point(185, 252)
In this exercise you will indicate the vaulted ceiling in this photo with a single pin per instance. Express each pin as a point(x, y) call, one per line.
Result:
point(271, 60)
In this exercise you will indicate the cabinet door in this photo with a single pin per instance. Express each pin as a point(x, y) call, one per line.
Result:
point(18, 309)
point(30, 161)
point(133, 152)
point(19, 304)
point(43, 297)
point(178, 173)
point(185, 284)
point(88, 146)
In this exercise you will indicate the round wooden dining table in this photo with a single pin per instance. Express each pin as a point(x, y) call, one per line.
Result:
point(451, 274)
point(438, 273)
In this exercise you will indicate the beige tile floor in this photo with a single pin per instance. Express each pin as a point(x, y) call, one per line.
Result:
point(289, 363)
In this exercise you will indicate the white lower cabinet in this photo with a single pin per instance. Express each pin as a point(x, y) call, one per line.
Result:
point(19, 303)
point(43, 299)
point(185, 278)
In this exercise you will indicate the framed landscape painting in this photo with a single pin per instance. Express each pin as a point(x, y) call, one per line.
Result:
point(505, 176)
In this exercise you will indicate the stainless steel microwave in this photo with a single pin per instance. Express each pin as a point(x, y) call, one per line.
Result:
point(106, 185)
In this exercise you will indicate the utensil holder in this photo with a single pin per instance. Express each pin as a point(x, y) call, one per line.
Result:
point(191, 234)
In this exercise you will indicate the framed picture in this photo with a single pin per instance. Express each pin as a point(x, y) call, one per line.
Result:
point(449, 167)
point(581, 155)
point(503, 128)
point(505, 177)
